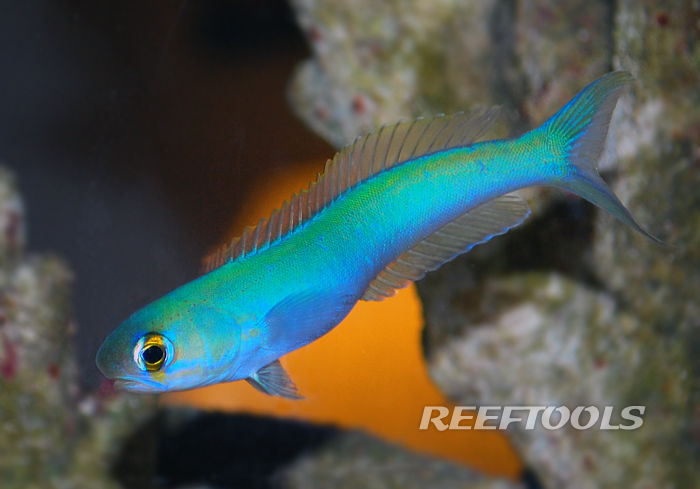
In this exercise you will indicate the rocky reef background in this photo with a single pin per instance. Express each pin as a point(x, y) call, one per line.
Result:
point(570, 309)
point(52, 434)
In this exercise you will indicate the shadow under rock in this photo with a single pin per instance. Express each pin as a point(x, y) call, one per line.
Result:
point(185, 448)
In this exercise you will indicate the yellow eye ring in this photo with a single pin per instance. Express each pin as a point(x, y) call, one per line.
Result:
point(153, 352)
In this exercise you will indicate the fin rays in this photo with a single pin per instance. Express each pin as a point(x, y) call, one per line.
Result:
point(476, 226)
point(366, 157)
point(274, 380)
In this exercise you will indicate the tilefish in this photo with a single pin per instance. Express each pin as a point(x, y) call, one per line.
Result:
point(389, 208)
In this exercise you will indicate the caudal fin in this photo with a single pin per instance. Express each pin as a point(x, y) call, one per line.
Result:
point(580, 127)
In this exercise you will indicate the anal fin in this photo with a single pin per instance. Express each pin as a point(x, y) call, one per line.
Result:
point(477, 226)
point(274, 380)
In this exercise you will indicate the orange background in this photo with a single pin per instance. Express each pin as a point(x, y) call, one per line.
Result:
point(368, 373)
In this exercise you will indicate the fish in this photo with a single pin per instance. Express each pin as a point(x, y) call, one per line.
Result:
point(389, 208)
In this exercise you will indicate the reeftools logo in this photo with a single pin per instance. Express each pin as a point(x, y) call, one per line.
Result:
point(550, 417)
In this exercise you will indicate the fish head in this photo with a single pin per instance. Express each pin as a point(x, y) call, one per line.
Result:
point(170, 345)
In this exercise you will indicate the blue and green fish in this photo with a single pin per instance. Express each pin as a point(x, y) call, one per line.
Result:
point(392, 206)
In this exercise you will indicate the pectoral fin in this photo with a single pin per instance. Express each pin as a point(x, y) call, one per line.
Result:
point(274, 380)
point(302, 318)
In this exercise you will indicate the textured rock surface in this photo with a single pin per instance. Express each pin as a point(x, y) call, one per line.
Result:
point(52, 435)
point(355, 460)
point(561, 47)
point(378, 62)
point(554, 342)
point(658, 142)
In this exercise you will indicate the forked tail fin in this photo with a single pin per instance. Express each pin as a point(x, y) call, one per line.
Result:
point(580, 128)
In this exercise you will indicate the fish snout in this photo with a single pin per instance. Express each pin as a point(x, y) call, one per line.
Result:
point(108, 361)
point(102, 361)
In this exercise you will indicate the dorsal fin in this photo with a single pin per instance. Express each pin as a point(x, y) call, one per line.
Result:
point(477, 226)
point(368, 156)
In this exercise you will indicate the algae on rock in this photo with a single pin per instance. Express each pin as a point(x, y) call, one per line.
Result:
point(53, 435)
point(378, 62)
point(553, 342)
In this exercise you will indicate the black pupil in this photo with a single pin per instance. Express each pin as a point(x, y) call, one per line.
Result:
point(153, 354)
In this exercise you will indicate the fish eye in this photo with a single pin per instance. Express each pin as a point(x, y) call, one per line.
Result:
point(153, 352)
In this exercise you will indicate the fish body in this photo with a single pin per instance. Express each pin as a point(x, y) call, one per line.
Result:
point(393, 206)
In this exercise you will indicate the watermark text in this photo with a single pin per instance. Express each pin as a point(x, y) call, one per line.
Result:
point(549, 417)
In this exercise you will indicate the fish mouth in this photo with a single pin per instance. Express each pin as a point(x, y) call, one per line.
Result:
point(143, 386)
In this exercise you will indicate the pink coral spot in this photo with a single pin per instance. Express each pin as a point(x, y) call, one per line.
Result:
point(106, 389)
point(321, 113)
point(315, 34)
point(13, 228)
point(54, 371)
point(359, 105)
point(662, 19)
point(10, 362)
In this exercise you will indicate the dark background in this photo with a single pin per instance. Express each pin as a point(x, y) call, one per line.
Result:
point(136, 130)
